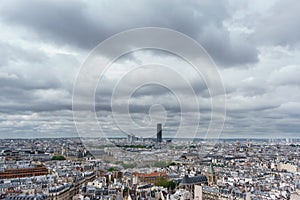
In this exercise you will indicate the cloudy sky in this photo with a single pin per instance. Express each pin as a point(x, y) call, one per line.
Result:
point(255, 45)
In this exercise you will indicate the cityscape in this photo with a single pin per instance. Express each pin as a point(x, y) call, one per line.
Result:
point(149, 100)
point(152, 168)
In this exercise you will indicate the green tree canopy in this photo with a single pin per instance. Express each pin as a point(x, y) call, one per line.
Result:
point(58, 157)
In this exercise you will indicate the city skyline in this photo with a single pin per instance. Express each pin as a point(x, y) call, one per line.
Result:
point(255, 46)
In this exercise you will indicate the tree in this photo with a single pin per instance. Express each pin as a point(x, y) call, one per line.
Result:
point(58, 157)
point(160, 164)
point(111, 169)
point(129, 165)
point(166, 183)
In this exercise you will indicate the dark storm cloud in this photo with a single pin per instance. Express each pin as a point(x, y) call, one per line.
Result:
point(142, 98)
point(36, 94)
point(85, 25)
point(65, 22)
point(19, 100)
point(229, 51)
point(32, 81)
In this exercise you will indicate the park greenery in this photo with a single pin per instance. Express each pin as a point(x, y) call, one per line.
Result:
point(58, 157)
point(166, 183)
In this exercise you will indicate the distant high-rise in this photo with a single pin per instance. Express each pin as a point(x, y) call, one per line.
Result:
point(159, 133)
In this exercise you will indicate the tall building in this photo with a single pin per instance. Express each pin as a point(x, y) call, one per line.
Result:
point(159, 133)
point(211, 176)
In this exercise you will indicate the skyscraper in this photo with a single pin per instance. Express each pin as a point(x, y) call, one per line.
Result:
point(159, 133)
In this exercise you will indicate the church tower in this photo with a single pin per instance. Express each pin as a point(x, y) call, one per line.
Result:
point(211, 175)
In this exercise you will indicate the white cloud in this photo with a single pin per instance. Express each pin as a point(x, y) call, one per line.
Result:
point(43, 44)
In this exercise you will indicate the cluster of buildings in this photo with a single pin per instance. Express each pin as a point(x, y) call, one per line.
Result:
point(64, 168)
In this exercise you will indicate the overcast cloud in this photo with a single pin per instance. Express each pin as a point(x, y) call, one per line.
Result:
point(256, 46)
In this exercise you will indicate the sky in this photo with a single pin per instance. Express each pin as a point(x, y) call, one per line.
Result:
point(255, 46)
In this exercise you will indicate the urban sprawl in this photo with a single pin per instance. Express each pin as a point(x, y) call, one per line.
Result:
point(134, 168)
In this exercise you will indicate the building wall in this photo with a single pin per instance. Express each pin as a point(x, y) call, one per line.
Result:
point(24, 172)
point(288, 167)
